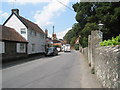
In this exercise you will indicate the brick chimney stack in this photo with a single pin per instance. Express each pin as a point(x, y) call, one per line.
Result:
point(54, 36)
point(16, 11)
point(46, 33)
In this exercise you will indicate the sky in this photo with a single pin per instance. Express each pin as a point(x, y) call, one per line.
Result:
point(45, 13)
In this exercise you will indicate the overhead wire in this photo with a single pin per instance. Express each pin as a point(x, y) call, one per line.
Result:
point(64, 5)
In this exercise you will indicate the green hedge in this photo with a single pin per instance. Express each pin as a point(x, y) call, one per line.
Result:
point(76, 46)
point(56, 46)
point(113, 41)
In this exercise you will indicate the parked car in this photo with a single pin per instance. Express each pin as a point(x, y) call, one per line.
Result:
point(66, 48)
point(52, 51)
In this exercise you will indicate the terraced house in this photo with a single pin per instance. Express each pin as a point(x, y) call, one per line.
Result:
point(32, 33)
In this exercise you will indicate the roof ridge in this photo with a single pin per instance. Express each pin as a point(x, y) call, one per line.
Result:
point(27, 22)
point(26, 19)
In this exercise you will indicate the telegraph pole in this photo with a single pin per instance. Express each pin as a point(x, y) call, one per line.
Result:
point(53, 29)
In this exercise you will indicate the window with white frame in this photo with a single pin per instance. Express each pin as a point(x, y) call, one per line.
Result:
point(21, 48)
point(33, 47)
point(23, 31)
point(2, 47)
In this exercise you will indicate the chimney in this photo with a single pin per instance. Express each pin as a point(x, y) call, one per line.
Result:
point(54, 36)
point(46, 33)
point(16, 11)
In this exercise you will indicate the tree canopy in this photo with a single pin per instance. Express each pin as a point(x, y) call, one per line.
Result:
point(88, 15)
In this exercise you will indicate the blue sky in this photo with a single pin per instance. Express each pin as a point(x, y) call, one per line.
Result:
point(45, 13)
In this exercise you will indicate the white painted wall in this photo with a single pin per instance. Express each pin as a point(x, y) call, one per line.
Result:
point(38, 40)
point(15, 23)
point(2, 47)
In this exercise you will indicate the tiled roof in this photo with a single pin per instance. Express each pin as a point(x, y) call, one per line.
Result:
point(30, 24)
point(27, 23)
point(10, 34)
point(56, 41)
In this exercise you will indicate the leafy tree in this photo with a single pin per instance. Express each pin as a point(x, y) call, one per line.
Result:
point(76, 46)
point(69, 36)
point(73, 41)
point(84, 42)
point(74, 32)
point(88, 28)
point(88, 15)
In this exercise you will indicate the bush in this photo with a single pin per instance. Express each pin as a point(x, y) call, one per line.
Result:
point(113, 41)
point(76, 46)
point(56, 46)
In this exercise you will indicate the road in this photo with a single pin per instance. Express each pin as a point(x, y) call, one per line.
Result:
point(62, 71)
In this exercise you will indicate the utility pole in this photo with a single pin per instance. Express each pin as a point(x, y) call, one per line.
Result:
point(53, 29)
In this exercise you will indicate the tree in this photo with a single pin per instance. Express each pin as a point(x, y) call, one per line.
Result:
point(88, 15)
point(72, 42)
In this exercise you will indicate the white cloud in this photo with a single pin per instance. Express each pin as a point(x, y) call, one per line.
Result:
point(60, 35)
point(27, 1)
point(43, 17)
point(34, 1)
point(3, 15)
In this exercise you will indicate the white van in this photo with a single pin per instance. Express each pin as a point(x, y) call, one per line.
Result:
point(67, 48)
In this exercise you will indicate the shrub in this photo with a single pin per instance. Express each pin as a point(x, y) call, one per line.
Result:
point(76, 46)
point(113, 41)
point(56, 46)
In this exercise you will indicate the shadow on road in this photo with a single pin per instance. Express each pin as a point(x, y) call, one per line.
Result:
point(24, 60)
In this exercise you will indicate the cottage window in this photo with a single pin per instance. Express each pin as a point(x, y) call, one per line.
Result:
point(33, 47)
point(21, 48)
point(2, 47)
point(23, 31)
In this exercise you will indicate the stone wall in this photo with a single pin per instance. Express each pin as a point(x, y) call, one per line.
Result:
point(104, 61)
point(93, 42)
point(89, 50)
point(107, 66)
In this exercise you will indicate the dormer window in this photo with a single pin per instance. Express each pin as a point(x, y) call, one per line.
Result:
point(23, 31)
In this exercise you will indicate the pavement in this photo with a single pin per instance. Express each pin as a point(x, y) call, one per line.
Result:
point(88, 80)
point(67, 70)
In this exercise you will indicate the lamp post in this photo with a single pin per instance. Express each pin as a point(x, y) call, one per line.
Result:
point(100, 25)
point(100, 28)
